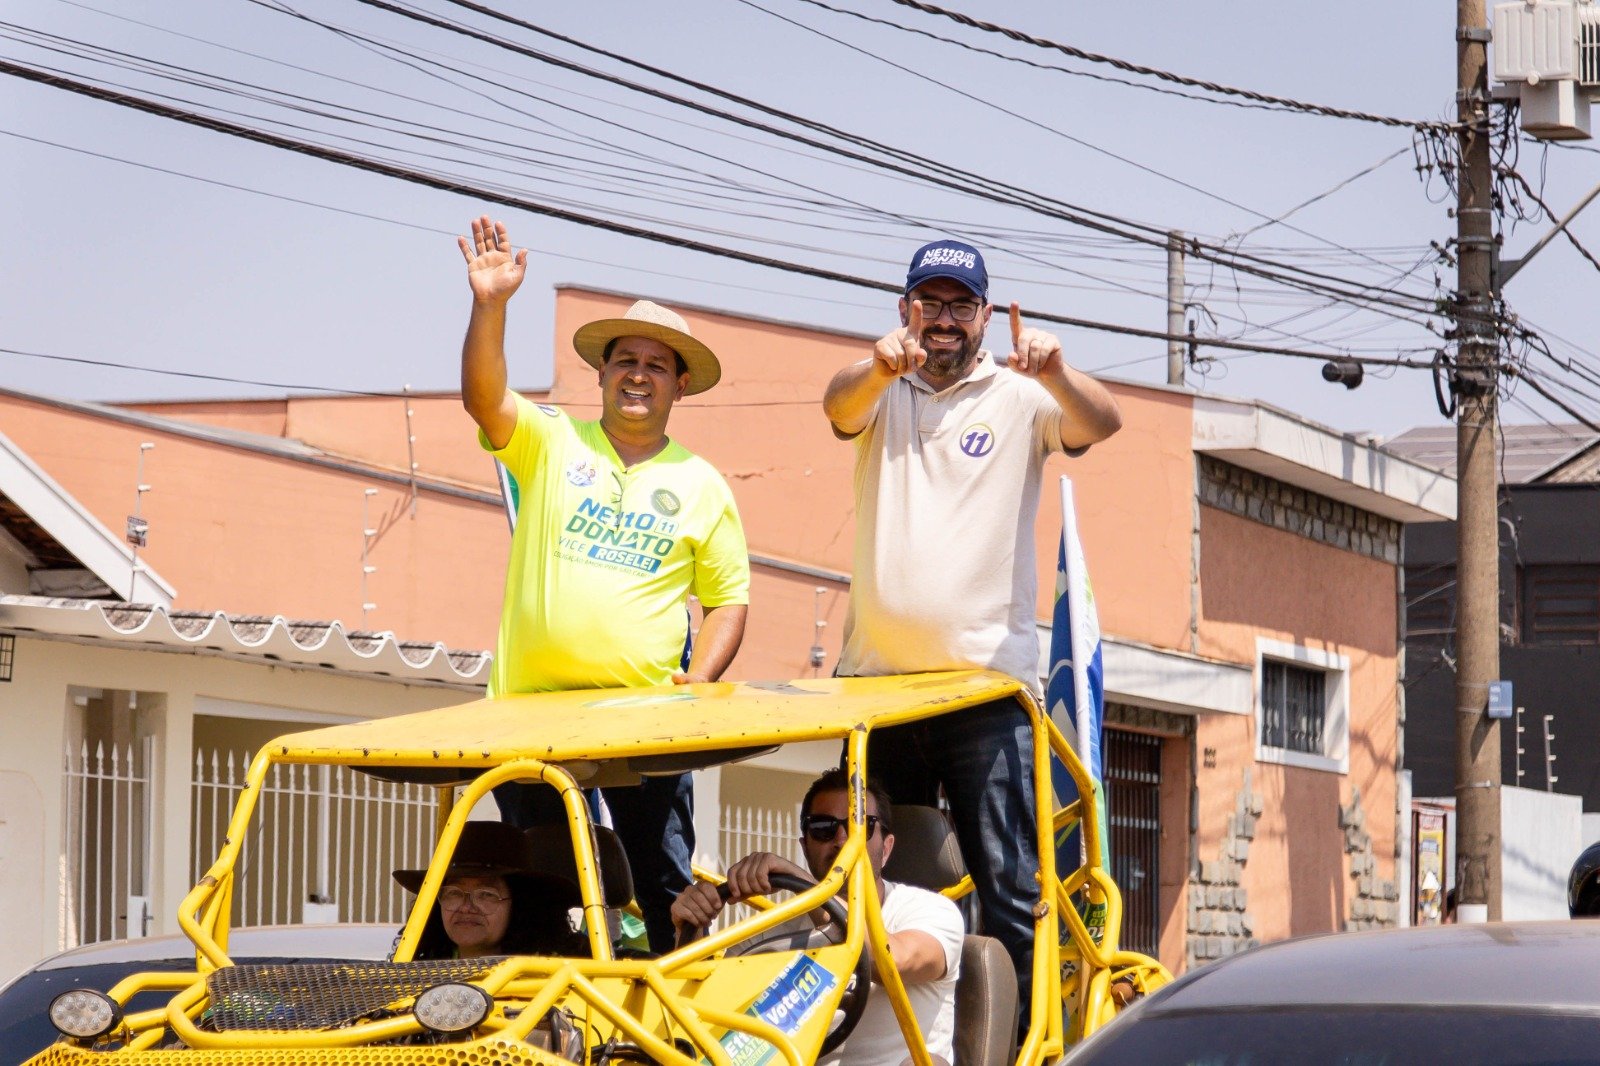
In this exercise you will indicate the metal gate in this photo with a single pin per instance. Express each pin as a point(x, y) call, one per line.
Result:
point(107, 810)
point(322, 842)
point(1133, 813)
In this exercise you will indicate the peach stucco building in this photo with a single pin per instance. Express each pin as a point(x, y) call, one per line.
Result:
point(1245, 564)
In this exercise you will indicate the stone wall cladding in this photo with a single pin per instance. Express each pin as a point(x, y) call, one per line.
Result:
point(1375, 903)
point(1295, 510)
point(1149, 720)
point(1219, 915)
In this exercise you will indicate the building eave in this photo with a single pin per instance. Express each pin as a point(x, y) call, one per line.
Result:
point(1310, 456)
point(1162, 679)
point(274, 641)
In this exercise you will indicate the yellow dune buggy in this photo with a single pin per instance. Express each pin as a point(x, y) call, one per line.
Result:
point(748, 994)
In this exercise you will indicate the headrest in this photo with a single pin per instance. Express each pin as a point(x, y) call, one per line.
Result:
point(552, 848)
point(925, 850)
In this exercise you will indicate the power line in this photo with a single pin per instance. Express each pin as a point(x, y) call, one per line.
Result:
point(545, 253)
point(1567, 233)
point(283, 8)
point(191, 374)
point(440, 231)
point(447, 185)
point(1322, 195)
point(375, 166)
point(109, 364)
point(1024, 61)
point(391, 52)
point(992, 189)
point(1522, 374)
point(636, 176)
point(1233, 258)
point(1176, 79)
point(1164, 176)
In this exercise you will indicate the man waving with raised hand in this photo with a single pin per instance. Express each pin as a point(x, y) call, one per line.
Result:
point(949, 447)
point(616, 525)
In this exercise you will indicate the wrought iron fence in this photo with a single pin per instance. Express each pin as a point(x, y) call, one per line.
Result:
point(107, 808)
point(320, 835)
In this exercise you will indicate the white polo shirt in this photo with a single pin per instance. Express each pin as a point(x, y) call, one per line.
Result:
point(877, 1040)
point(947, 490)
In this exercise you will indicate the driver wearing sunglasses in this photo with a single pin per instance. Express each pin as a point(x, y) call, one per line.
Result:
point(924, 928)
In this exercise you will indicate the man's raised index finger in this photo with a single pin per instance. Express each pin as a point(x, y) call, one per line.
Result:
point(1016, 324)
point(914, 321)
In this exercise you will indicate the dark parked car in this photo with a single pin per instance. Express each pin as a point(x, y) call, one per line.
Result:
point(25, 1027)
point(1509, 994)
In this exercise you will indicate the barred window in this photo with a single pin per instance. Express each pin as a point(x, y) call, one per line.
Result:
point(1294, 707)
point(1561, 604)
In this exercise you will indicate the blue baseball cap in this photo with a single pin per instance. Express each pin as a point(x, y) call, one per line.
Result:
point(949, 259)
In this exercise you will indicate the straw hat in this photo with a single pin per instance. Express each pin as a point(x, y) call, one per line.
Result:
point(646, 319)
point(485, 849)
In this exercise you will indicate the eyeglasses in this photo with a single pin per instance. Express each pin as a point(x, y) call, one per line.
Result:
point(960, 310)
point(824, 827)
point(453, 899)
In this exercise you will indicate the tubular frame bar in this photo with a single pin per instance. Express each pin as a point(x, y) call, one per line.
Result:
point(863, 886)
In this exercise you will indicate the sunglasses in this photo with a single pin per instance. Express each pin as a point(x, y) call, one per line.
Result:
point(824, 827)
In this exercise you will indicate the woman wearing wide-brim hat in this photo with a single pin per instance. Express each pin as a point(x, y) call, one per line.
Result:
point(494, 901)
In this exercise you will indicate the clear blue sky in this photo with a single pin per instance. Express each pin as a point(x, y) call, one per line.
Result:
point(290, 270)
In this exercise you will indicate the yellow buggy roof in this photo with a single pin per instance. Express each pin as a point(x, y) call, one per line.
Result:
point(668, 728)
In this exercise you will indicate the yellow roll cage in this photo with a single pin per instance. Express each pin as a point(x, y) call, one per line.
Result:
point(693, 1004)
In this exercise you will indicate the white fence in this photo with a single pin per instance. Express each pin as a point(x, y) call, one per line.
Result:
point(107, 811)
point(320, 834)
point(747, 829)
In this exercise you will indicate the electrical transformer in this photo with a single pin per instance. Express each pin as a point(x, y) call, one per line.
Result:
point(1547, 53)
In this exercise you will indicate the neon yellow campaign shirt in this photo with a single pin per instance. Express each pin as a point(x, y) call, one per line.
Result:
point(604, 557)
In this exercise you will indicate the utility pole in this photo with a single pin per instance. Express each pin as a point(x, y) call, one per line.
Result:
point(1175, 307)
point(1478, 842)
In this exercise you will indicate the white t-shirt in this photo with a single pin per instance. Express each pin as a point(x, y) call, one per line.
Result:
point(877, 1040)
point(947, 490)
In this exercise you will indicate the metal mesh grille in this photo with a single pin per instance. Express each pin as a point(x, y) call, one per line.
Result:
point(488, 1053)
point(324, 995)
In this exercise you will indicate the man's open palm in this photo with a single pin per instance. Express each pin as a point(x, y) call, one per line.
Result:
point(493, 270)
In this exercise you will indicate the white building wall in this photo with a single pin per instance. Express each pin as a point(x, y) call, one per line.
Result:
point(37, 704)
point(1591, 829)
point(1542, 832)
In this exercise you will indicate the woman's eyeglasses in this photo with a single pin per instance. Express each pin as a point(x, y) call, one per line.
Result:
point(453, 899)
point(824, 827)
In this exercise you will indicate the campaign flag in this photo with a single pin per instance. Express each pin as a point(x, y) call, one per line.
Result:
point(1075, 691)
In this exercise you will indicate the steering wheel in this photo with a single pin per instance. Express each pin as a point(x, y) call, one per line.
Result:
point(854, 1000)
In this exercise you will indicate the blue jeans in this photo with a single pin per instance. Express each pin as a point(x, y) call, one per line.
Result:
point(983, 757)
point(655, 821)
